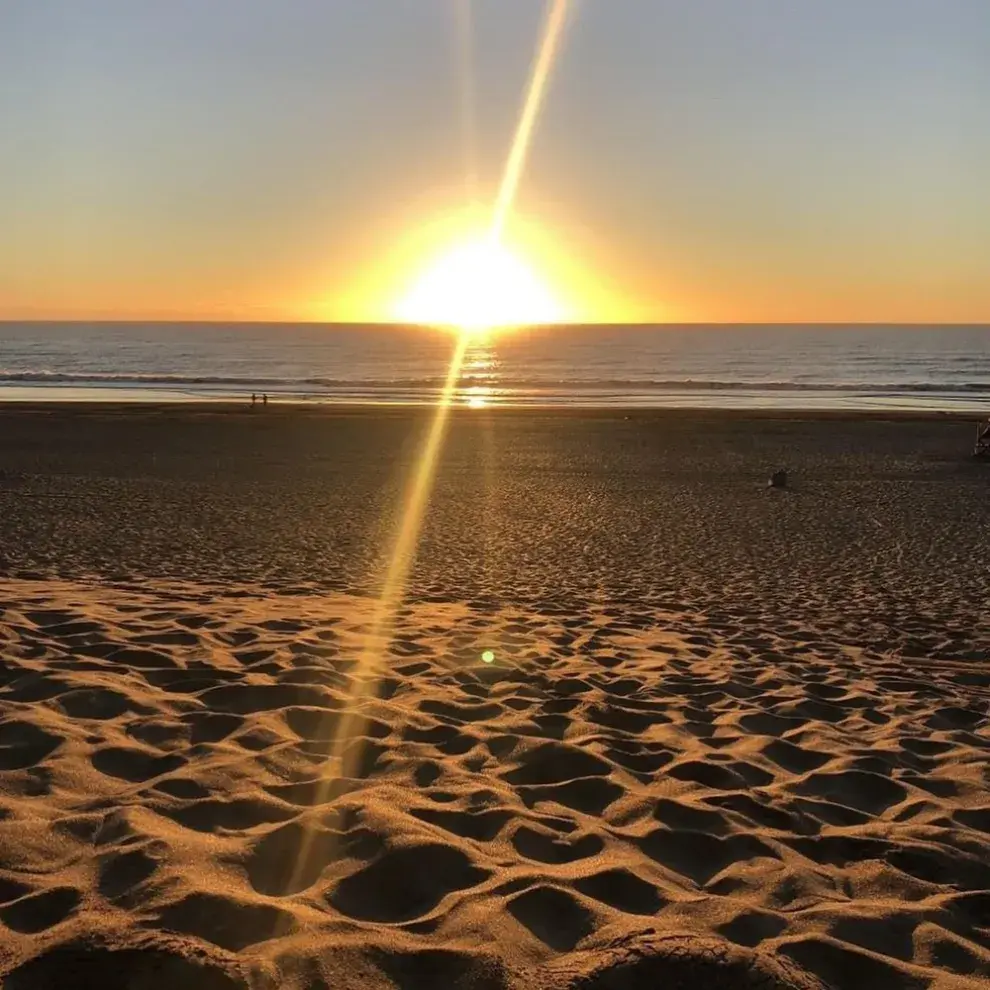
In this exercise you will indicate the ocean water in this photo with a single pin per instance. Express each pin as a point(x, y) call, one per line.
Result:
point(794, 367)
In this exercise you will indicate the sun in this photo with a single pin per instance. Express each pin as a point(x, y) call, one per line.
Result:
point(477, 285)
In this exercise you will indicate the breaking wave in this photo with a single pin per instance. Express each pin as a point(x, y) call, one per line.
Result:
point(238, 383)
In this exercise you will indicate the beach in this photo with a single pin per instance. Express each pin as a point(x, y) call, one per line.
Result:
point(729, 735)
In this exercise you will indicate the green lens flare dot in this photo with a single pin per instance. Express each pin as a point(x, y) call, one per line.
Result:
point(488, 656)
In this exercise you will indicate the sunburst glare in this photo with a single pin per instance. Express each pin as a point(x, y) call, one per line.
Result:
point(478, 285)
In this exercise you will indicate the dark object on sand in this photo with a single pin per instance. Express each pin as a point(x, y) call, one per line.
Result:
point(982, 446)
point(778, 479)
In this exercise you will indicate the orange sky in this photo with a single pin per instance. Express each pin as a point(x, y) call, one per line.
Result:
point(809, 163)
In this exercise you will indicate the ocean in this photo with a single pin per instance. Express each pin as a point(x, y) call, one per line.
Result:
point(786, 367)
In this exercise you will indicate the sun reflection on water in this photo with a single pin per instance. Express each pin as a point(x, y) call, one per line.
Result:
point(478, 396)
point(479, 374)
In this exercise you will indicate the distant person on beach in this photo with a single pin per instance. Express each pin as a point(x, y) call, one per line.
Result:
point(264, 399)
point(254, 398)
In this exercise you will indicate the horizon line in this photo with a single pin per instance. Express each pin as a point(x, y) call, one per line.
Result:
point(395, 324)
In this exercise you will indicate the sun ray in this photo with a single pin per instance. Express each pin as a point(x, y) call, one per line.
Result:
point(378, 639)
point(479, 285)
point(552, 33)
point(379, 636)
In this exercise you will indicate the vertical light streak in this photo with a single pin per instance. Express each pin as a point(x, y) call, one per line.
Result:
point(379, 637)
point(553, 31)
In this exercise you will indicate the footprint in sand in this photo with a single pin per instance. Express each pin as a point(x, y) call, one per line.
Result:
point(121, 873)
point(556, 917)
point(96, 703)
point(622, 889)
point(24, 744)
point(406, 883)
point(482, 826)
point(226, 921)
point(41, 911)
point(547, 847)
point(134, 765)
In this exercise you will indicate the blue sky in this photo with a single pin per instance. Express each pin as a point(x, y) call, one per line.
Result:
point(711, 159)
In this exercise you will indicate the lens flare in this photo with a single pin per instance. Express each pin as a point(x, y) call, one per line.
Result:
point(480, 285)
point(553, 31)
point(344, 759)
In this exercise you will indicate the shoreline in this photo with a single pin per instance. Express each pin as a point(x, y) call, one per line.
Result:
point(321, 409)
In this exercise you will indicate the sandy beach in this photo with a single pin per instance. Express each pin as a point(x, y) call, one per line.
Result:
point(730, 737)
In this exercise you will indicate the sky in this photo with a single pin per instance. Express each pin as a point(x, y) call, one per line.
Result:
point(693, 160)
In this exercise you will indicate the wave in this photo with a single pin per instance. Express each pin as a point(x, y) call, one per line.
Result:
point(134, 378)
point(500, 385)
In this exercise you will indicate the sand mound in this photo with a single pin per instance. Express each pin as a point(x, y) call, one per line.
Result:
point(149, 963)
point(677, 962)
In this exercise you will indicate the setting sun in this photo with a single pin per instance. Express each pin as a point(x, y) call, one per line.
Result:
point(478, 285)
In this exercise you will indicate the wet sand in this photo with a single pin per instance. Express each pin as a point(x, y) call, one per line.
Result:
point(732, 736)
